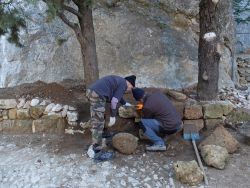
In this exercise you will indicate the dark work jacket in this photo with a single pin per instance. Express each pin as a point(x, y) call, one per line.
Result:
point(109, 87)
point(158, 106)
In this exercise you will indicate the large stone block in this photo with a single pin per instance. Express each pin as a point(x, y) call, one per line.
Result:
point(193, 111)
point(16, 126)
point(211, 124)
point(217, 109)
point(49, 125)
point(7, 103)
point(36, 111)
point(12, 113)
point(221, 137)
point(23, 114)
point(199, 123)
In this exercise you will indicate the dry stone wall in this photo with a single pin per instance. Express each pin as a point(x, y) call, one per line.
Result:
point(39, 115)
point(35, 116)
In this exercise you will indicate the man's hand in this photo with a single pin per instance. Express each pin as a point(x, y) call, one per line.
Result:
point(111, 121)
point(127, 104)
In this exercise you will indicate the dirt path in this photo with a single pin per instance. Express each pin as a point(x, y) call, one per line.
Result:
point(60, 161)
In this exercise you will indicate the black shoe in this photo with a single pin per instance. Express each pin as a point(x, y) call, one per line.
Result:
point(102, 156)
point(98, 154)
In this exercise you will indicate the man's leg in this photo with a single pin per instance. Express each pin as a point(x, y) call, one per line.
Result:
point(151, 129)
point(97, 121)
point(97, 111)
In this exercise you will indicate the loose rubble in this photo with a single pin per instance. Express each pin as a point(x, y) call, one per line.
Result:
point(240, 98)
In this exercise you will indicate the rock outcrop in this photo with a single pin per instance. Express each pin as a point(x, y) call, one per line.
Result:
point(152, 39)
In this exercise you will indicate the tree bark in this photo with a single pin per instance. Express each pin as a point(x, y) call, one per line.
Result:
point(87, 43)
point(208, 57)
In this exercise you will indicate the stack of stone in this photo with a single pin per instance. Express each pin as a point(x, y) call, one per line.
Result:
point(206, 115)
point(35, 116)
point(244, 70)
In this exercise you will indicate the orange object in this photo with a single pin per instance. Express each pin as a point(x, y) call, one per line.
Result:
point(139, 106)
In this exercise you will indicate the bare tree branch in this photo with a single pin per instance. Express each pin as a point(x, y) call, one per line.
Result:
point(76, 2)
point(72, 10)
point(73, 26)
point(65, 20)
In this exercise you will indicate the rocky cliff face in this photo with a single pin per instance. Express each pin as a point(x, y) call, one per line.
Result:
point(155, 40)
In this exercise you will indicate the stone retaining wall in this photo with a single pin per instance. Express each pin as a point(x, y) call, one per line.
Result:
point(42, 116)
point(204, 115)
point(35, 116)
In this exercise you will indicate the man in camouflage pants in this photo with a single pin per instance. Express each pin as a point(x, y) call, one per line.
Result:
point(107, 89)
point(97, 111)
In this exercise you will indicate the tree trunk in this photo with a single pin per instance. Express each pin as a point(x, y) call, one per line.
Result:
point(88, 46)
point(208, 58)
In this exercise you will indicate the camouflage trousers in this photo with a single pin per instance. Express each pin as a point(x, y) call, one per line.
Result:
point(97, 112)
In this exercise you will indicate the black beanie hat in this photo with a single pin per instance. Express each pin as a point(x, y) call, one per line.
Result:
point(131, 79)
point(138, 93)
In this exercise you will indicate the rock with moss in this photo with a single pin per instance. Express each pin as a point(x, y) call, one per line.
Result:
point(188, 172)
point(215, 156)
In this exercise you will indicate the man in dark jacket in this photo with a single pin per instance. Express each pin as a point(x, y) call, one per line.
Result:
point(158, 116)
point(107, 89)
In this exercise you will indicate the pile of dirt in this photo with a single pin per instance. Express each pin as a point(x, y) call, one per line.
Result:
point(65, 92)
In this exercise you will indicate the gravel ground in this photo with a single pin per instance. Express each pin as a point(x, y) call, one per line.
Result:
point(60, 161)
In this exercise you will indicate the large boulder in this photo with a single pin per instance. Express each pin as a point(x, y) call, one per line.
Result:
point(49, 125)
point(193, 111)
point(215, 156)
point(221, 137)
point(188, 172)
point(198, 123)
point(211, 124)
point(125, 143)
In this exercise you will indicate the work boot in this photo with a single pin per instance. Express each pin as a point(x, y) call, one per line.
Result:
point(156, 147)
point(95, 152)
